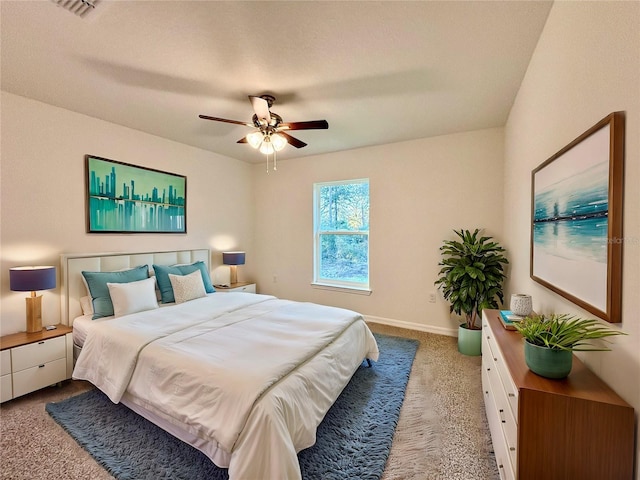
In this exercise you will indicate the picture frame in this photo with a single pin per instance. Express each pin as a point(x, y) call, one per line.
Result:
point(126, 198)
point(576, 220)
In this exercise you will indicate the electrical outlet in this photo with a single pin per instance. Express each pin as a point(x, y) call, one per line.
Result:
point(275, 278)
point(432, 297)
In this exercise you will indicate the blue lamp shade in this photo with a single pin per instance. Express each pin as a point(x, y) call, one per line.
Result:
point(233, 258)
point(31, 279)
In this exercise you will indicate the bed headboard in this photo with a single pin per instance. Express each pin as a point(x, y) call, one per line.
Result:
point(72, 265)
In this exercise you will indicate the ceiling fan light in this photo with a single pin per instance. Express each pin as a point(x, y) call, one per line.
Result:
point(266, 147)
point(254, 139)
point(278, 141)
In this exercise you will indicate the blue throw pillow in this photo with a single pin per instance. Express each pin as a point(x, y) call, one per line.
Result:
point(164, 284)
point(97, 285)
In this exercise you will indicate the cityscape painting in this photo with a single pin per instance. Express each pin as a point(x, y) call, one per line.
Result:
point(123, 198)
point(577, 220)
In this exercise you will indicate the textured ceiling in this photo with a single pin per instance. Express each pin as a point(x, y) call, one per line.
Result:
point(378, 72)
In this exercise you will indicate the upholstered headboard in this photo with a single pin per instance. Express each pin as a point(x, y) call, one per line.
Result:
point(71, 266)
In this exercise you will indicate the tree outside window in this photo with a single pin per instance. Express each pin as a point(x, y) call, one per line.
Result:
point(341, 224)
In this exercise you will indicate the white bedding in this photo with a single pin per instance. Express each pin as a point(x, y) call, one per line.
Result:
point(249, 374)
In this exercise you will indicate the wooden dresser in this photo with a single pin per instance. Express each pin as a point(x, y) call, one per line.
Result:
point(575, 428)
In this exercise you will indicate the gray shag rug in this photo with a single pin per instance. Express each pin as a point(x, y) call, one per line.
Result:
point(353, 441)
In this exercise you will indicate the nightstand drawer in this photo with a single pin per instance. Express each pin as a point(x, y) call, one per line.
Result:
point(247, 288)
point(5, 362)
point(6, 392)
point(40, 376)
point(38, 353)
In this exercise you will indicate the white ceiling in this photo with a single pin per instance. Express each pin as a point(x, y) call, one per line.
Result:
point(378, 72)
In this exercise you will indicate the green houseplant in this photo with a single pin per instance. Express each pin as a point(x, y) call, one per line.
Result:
point(550, 341)
point(471, 280)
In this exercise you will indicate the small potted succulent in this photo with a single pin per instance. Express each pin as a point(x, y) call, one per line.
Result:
point(550, 341)
point(471, 280)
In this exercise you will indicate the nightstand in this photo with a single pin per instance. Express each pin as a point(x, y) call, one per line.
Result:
point(31, 361)
point(237, 287)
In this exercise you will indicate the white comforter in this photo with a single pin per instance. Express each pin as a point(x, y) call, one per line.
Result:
point(250, 372)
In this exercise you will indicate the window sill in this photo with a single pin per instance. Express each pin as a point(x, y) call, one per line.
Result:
point(354, 290)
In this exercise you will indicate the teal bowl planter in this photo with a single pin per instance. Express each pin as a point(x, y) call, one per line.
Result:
point(547, 362)
point(469, 341)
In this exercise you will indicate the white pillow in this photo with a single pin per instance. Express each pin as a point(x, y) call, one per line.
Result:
point(133, 297)
point(187, 287)
point(86, 305)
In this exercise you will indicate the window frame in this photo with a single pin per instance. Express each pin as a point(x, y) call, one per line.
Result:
point(363, 288)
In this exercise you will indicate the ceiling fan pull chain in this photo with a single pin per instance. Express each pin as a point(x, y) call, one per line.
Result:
point(275, 161)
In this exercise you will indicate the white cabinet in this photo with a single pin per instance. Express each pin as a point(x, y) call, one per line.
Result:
point(6, 389)
point(238, 287)
point(501, 412)
point(34, 361)
point(550, 429)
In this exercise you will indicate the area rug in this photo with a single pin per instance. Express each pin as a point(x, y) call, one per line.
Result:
point(353, 440)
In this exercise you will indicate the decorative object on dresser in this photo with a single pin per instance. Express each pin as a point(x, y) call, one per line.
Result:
point(32, 279)
point(551, 339)
point(576, 225)
point(471, 280)
point(551, 429)
point(521, 304)
point(31, 361)
point(233, 259)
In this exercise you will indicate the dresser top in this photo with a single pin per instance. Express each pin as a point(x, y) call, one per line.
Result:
point(581, 382)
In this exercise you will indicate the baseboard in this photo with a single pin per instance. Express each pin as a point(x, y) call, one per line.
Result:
point(451, 332)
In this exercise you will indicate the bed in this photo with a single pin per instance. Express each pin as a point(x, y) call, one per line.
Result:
point(245, 378)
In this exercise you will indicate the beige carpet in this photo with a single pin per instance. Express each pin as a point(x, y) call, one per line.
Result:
point(442, 431)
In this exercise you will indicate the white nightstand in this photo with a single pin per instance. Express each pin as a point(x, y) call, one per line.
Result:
point(237, 287)
point(31, 361)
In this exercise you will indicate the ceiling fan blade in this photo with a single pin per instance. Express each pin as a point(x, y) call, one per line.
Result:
point(311, 125)
point(216, 119)
point(294, 142)
point(242, 140)
point(261, 107)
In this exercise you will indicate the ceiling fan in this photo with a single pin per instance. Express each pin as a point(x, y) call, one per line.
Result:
point(270, 136)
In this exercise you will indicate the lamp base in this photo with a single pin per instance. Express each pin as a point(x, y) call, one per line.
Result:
point(34, 314)
point(233, 274)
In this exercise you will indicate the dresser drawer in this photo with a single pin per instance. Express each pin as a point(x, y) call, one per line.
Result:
point(5, 362)
point(35, 354)
point(40, 376)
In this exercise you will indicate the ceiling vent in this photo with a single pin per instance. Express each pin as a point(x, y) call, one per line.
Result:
point(80, 8)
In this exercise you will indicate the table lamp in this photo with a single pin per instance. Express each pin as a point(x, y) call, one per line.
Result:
point(233, 259)
point(31, 279)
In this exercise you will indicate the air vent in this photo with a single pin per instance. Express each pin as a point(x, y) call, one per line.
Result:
point(78, 7)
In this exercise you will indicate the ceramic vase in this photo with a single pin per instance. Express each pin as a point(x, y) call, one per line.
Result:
point(547, 362)
point(521, 304)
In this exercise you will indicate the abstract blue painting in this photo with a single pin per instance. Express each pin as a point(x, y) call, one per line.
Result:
point(572, 237)
point(124, 198)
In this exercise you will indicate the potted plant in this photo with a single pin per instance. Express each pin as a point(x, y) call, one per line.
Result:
point(550, 341)
point(471, 279)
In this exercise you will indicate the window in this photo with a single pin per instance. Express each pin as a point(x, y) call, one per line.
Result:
point(341, 234)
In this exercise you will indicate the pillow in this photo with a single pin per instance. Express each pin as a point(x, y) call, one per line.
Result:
point(187, 287)
point(133, 297)
point(164, 284)
point(97, 286)
point(85, 305)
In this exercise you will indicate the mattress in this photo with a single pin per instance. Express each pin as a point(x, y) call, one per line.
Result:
point(210, 383)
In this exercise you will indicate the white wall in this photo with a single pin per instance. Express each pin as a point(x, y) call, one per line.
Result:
point(42, 211)
point(586, 65)
point(419, 191)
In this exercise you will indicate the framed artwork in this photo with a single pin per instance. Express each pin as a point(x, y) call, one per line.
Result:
point(124, 198)
point(576, 214)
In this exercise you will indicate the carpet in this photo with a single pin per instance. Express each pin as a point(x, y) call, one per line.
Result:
point(353, 440)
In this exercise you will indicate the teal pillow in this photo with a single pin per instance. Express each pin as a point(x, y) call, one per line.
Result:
point(164, 284)
point(97, 285)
